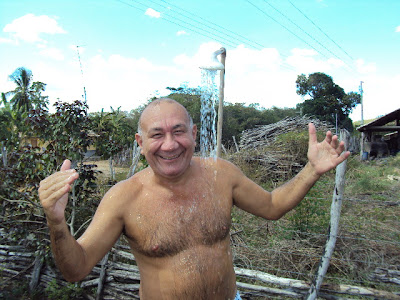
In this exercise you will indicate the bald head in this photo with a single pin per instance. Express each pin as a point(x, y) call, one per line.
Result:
point(156, 103)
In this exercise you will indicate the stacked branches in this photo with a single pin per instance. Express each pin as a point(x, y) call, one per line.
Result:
point(279, 150)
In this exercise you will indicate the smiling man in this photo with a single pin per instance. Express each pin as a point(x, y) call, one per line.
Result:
point(176, 214)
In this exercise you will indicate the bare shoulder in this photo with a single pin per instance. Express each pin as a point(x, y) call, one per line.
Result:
point(224, 168)
point(124, 191)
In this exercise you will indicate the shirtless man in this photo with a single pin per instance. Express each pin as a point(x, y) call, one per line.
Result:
point(176, 213)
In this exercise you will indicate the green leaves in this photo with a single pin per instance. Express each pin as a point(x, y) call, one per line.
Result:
point(328, 100)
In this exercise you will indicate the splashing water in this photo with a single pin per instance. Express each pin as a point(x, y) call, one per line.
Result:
point(209, 96)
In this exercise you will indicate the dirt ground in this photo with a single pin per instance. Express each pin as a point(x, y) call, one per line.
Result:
point(104, 166)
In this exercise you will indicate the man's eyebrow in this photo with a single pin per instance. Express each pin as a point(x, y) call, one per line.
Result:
point(156, 129)
point(177, 126)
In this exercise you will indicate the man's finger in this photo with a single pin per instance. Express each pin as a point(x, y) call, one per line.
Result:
point(51, 198)
point(66, 165)
point(46, 191)
point(312, 134)
point(343, 157)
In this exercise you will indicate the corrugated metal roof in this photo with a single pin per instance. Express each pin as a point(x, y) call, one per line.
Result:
point(394, 115)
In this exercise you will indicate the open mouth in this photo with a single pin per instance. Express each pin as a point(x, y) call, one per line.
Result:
point(170, 157)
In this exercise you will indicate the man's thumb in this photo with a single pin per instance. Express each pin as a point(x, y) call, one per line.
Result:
point(66, 165)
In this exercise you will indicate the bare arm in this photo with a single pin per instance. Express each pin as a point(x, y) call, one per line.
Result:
point(322, 157)
point(76, 258)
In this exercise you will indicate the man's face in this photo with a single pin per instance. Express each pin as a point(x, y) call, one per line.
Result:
point(167, 141)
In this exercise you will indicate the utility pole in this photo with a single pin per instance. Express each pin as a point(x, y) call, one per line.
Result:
point(80, 64)
point(362, 120)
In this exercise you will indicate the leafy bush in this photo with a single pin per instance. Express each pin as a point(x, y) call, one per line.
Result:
point(63, 292)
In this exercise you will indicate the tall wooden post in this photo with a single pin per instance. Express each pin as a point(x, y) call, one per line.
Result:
point(221, 103)
point(333, 224)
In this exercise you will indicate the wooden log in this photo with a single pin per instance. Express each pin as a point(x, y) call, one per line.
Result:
point(123, 254)
point(268, 290)
point(123, 266)
point(125, 275)
point(36, 274)
point(103, 273)
point(126, 286)
point(118, 293)
point(13, 253)
point(299, 285)
point(386, 275)
point(333, 223)
point(94, 282)
point(272, 279)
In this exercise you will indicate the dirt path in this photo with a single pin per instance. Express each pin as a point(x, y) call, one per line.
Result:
point(104, 167)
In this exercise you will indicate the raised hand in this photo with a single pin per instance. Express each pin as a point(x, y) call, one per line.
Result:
point(326, 155)
point(53, 193)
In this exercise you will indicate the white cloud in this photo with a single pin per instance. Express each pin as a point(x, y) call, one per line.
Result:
point(397, 29)
point(309, 61)
point(152, 13)
point(52, 53)
point(365, 68)
point(252, 76)
point(181, 32)
point(28, 28)
point(128, 82)
point(7, 41)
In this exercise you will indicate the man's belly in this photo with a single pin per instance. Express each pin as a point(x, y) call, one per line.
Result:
point(201, 272)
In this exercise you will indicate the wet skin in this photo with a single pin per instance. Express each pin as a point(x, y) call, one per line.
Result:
point(176, 213)
point(180, 235)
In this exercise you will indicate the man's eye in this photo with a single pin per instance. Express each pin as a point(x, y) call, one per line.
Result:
point(157, 135)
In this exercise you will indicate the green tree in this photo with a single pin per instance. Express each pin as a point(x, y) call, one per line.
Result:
point(328, 101)
point(22, 94)
point(27, 94)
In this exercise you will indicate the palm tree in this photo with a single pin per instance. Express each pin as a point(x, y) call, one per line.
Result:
point(22, 95)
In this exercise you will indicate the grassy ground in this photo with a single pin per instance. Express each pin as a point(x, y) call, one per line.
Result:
point(369, 232)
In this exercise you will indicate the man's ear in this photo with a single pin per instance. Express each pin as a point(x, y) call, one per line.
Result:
point(139, 140)
point(194, 131)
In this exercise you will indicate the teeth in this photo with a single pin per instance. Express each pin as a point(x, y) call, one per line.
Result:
point(170, 158)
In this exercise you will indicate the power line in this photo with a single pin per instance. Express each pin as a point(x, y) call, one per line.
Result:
point(196, 29)
point(321, 30)
point(201, 31)
point(295, 24)
point(276, 21)
point(228, 30)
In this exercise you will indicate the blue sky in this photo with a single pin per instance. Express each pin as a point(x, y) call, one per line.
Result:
point(132, 50)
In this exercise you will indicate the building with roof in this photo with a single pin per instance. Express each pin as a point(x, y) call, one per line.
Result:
point(382, 136)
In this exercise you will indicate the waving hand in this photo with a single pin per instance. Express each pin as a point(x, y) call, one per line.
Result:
point(327, 154)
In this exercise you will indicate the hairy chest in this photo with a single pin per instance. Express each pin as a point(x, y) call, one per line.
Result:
point(166, 225)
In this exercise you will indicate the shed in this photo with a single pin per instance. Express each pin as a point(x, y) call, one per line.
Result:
point(382, 136)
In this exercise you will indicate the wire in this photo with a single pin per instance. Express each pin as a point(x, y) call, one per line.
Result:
point(286, 17)
point(201, 18)
point(201, 31)
point(205, 33)
point(321, 30)
point(276, 21)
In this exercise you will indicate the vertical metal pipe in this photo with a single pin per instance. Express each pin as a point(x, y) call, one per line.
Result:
point(221, 103)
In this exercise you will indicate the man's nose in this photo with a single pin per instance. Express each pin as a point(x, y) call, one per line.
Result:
point(169, 143)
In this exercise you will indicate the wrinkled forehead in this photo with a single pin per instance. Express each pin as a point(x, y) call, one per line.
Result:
point(164, 112)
